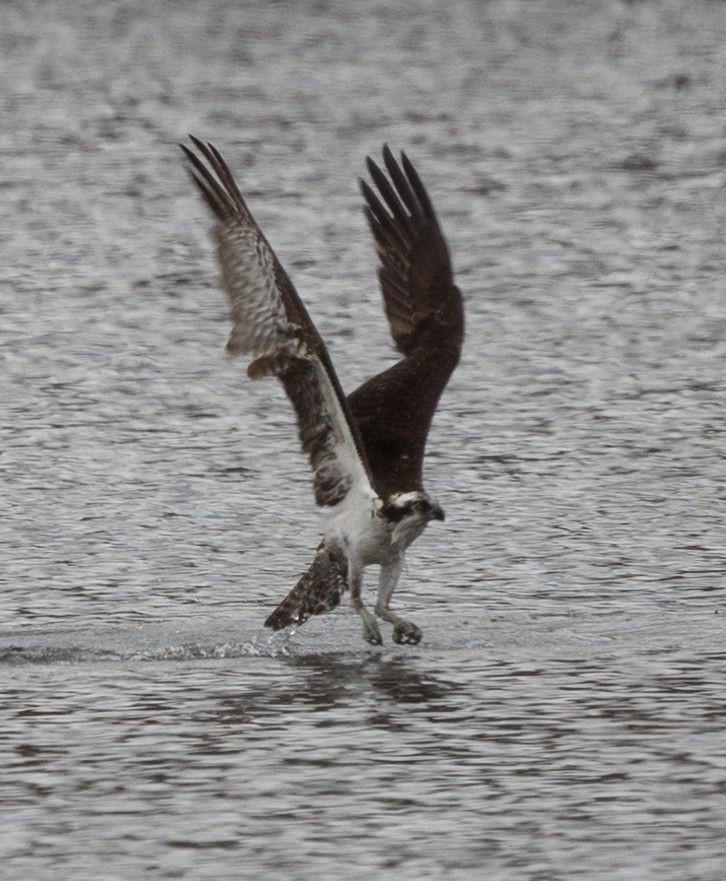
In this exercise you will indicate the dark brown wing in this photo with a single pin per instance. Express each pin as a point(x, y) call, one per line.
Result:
point(426, 316)
point(271, 324)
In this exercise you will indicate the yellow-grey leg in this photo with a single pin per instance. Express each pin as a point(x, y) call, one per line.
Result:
point(371, 633)
point(403, 631)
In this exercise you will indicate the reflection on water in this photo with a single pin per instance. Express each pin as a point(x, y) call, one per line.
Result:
point(318, 763)
point(563, 717)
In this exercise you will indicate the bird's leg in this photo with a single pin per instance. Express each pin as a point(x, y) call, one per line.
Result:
point(370, 627)
point(403, 631)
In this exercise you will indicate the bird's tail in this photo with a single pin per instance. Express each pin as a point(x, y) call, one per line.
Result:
point(318, 591)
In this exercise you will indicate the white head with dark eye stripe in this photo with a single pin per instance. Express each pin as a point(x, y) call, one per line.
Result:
point(409, 514)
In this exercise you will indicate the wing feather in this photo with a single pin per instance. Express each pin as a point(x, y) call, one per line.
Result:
point(426, 317)
point(272, 326)
point(415, 268)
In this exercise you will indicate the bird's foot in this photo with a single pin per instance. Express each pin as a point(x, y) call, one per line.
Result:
point(406, 633)
point(371, 633)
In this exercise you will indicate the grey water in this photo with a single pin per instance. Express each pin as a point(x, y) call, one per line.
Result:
point(564, 716)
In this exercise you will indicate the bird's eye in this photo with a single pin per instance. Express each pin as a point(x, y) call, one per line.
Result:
point(419, 506)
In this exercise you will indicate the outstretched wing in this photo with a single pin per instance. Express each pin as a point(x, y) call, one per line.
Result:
point(426, 316)
point(272, 326)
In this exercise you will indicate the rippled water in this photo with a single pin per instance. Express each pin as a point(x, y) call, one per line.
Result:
point(564, 716)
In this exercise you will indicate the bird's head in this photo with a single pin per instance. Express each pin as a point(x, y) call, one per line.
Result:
point(409, 514)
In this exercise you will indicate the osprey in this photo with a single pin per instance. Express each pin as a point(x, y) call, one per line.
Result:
point(366, 450)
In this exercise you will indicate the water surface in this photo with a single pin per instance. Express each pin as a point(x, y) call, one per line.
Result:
point(563, 717)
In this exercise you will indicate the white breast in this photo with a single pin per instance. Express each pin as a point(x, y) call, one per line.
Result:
point(356, 526)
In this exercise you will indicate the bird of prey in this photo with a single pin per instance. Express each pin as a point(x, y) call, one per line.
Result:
point(366, 450)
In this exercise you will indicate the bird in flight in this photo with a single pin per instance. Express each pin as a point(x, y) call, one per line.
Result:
point(366, 450)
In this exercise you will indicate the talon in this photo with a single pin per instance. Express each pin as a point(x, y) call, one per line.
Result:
point(371, 633)
point(371, 637)
point(407, 633)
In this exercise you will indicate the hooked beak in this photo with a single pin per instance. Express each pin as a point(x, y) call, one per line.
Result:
point(437, 513)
